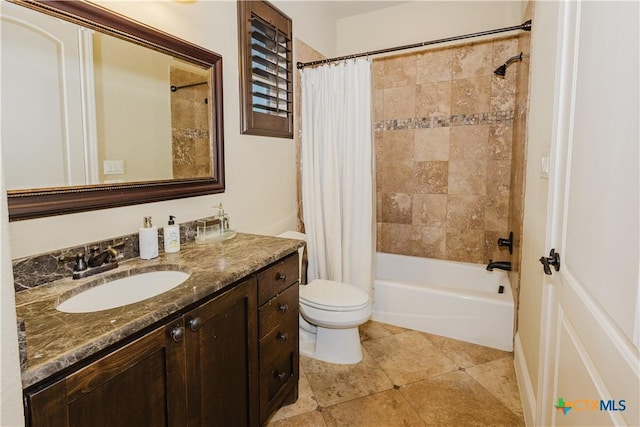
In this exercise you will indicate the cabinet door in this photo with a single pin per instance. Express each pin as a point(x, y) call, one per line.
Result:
point(222, 361)
point(140, 384)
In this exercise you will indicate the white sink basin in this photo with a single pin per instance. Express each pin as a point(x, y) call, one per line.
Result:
point(126, 290)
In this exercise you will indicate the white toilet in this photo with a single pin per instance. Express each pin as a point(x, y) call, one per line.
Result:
point(330, 313)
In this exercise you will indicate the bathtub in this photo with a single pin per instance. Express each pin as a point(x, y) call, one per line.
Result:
point(453, 299)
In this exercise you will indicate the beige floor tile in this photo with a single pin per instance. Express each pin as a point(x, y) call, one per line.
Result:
point(499, 377)
point(456, 399)
point(306, 401)
point(384, 409)
point(439, 394)
point(466, 354)
point(333, 383)
point(372, 330)
point(308, 419)
point(409, 357)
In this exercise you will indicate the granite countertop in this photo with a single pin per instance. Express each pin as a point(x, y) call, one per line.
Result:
point(56, 340)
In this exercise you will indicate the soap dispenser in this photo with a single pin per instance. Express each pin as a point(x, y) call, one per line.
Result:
point(172, 236)
point(148, 239)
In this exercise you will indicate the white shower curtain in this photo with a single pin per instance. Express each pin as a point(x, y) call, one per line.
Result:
point(338, 173)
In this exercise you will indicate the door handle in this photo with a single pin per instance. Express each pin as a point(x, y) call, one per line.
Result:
point(552, 260)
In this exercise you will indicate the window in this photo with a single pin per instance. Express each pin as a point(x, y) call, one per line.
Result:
point(266, 70)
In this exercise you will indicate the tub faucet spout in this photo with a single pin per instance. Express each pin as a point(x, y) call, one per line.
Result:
point(502, 265)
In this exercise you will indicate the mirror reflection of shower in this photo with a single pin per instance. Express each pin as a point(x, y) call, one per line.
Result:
point(502, 70)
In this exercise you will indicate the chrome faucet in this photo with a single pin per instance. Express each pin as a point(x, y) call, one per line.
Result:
point(502, 265)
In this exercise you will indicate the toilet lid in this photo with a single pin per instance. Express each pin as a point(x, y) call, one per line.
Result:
point(335, 296)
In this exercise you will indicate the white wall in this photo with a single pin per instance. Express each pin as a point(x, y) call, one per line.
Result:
point(542, 90)
point(420, 21)
point(312, 24)
point(10, 385)
point(260, 171)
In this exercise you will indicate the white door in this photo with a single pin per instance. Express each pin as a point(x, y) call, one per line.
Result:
point(42, 97)
point(591, 365)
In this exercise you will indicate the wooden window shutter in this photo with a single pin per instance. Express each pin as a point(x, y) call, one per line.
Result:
point(266, 70)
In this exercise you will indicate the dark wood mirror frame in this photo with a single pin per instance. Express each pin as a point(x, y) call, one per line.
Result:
point(28, 204)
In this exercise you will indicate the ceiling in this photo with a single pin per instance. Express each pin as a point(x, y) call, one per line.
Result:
point(342, 9)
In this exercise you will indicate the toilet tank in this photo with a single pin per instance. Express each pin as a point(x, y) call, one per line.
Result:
point(302, 253)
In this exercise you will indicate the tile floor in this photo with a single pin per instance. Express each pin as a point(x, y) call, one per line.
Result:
point(407, 378)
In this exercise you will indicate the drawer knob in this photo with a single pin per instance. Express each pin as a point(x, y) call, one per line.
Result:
point(283, 307)
point(194, 324)
point(177, 333)
point(279, 375)
point(283, 336)
point(281, 276)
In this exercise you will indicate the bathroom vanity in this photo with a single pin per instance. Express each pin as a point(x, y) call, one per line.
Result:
point(219, 349)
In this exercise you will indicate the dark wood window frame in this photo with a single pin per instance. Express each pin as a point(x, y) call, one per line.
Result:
point(266, 69)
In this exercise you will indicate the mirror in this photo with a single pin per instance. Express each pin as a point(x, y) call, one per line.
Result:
point(111, 113)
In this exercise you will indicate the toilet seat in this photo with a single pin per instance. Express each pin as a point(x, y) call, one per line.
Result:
point(333, 296)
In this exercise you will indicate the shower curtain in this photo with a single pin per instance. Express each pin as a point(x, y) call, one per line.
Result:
point(338, 173)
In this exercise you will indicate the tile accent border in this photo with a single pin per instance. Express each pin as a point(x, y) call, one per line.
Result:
point(490, 118)
point(191, 133)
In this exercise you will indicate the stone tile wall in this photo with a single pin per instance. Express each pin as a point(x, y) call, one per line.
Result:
point(443, 136)
point(190, 144)
point(302, 52)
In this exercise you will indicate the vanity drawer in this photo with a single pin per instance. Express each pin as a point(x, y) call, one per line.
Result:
point(280, 339)
point(278, 277)
point(279, 379)
point(274, 311)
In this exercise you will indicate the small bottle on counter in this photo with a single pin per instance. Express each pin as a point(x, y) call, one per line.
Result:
point(148, 239)
point(172, 236)
point(224, 220)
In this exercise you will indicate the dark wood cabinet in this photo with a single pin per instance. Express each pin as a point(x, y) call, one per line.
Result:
point(225, 362)
point(140, 384)
point(222, 359)
point(278, 326)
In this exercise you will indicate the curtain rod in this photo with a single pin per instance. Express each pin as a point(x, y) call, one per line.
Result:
point(175, 88)
point(526, 26)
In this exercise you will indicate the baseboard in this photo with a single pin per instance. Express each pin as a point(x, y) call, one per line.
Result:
point(527, 396)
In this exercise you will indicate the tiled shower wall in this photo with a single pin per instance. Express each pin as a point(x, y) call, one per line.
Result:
point(190, 143)
point(302, 53)
point(443, 136)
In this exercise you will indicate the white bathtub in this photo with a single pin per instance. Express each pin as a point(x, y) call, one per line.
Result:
point(453, 299)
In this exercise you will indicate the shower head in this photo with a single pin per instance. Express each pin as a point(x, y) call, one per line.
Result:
point(502, 70)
